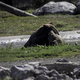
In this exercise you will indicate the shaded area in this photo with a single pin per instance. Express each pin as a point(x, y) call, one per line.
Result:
point(14, 10)
point(7, 1)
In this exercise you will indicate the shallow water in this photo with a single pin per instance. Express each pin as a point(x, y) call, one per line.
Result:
point(71, 36)
point(14, 41)
point(19, 41)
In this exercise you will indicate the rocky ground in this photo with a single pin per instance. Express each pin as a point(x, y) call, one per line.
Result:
point(42, 60)
point(42, 69)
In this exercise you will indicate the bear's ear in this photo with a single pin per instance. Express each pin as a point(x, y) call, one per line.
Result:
point(50, 23)
point(44, 25)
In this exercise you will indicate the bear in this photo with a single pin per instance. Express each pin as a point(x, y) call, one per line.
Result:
point(54, 39)
point(41, 36)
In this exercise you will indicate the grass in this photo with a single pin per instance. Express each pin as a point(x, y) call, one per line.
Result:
point(11, 54)
point(16, 25)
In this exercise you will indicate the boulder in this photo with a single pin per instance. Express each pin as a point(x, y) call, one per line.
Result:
point(40, 70)
point(45, 35)
point(58, 76)
point(62, 60)
point(4, 72)
point(56, 7)
point(36, 71)
point(35, 64)
point(42, 77)
point(76, 72)
point(30, 78)
point(45, 77)
point(62, 66)
point(22, 72)
point(54, 76)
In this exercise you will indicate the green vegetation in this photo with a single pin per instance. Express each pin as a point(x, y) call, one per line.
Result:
point(11, 54)
point(16, 25)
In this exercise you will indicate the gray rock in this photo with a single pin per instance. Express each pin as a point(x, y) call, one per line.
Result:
point(40, 70)
point(62, 60)
point(54, 73)
point(58, 76)
point(35, 64)
point(4, 72)
point(58, 7)
point(65, 66)
point(54, 76)
point(36, 71)
point(30, 78)
point(22, 72)
point(76, 72)
point(64, 77)
point(42, 77)
point(68, 78)
point(62, 66)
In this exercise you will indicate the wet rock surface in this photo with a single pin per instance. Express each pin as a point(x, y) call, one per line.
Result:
point(61, 69)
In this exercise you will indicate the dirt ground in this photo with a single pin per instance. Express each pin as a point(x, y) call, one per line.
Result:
point(41, 60)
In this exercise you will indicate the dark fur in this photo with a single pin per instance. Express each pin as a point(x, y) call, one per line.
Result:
point(40, 37)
